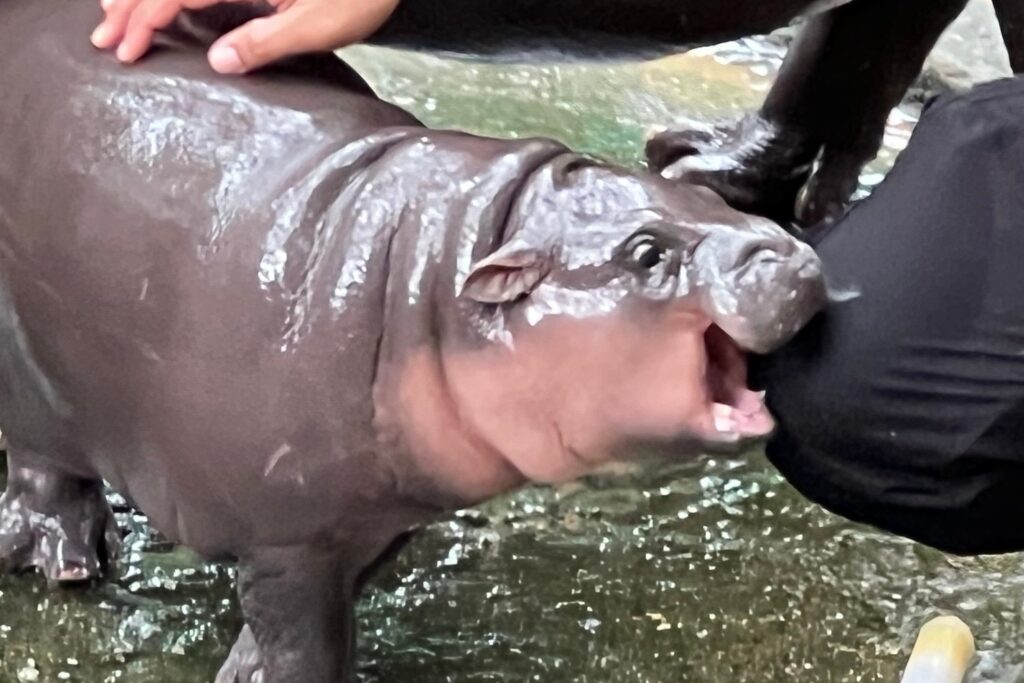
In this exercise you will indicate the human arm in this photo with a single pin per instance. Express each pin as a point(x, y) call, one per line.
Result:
point(294, 27)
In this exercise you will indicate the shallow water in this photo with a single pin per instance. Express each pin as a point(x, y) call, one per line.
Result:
point(715, 571)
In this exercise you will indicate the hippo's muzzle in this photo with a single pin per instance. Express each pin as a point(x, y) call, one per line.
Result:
point(759, 285)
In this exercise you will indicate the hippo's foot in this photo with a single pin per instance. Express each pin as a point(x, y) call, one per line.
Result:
point(297, 602)
point(244, 663)
point(56, 523)
point(756, 166)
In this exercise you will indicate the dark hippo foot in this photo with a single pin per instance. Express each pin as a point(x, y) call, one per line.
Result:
point(244, 663)
point(54, 522)
point(756, 166)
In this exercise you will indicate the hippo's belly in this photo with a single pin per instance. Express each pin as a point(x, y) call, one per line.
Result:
point(181, 388)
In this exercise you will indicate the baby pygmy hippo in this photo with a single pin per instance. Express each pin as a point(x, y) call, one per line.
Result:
point(291, 325)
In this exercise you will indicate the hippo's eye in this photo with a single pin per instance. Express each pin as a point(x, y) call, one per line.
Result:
point(647, 254)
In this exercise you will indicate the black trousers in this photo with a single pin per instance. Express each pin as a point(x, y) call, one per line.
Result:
point(904, 407)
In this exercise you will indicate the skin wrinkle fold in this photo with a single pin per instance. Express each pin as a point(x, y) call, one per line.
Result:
point(327, 191)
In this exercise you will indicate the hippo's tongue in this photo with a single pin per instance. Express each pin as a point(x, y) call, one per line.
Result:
point(737, 412)
point(745, 423)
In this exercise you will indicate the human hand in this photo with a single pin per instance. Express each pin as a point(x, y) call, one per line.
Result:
point(297, 26)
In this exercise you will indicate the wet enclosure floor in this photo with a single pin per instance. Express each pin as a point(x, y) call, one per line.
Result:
point(713, 570)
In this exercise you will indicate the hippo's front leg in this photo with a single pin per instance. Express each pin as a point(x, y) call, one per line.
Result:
point(298, 608)
point(842, 76)
point(53, 521)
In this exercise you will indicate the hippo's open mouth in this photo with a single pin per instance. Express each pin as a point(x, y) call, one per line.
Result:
point(737, 412)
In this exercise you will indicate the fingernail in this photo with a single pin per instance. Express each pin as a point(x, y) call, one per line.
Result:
point(107, 4)
point(100, 36)
point(122, 53)
point(225, 60)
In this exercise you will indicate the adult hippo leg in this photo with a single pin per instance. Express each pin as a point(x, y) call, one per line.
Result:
point(843, 74)
point(1011, 21)
point(298, 604)
point(53, 521)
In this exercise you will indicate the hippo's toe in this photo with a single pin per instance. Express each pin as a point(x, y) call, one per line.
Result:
point(244, 664)
point(71, 542)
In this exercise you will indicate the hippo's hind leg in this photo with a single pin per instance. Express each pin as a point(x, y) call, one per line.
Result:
point(842, 76)
point(297, 603)
point(53, 521)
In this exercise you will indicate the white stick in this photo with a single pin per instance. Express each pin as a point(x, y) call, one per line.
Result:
point(942, 654)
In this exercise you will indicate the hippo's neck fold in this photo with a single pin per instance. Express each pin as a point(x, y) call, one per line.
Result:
point(454, 214)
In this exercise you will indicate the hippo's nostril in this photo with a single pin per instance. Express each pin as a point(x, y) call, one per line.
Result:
point(758, 250)
point(810, 269)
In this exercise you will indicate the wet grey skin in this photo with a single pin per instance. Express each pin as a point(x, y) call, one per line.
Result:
point(800, 155)
point(291, 325)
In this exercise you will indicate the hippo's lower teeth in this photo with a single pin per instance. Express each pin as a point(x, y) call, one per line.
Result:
point(723, 416)
point(736, 423)
point(736, 410)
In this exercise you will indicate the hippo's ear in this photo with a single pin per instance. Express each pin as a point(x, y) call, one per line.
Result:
point(506, 275)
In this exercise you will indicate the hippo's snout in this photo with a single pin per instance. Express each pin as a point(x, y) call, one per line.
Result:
point(761, 285)
point(758, 249)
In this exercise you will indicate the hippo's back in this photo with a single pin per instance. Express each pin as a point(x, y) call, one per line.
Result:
point(157, 231)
